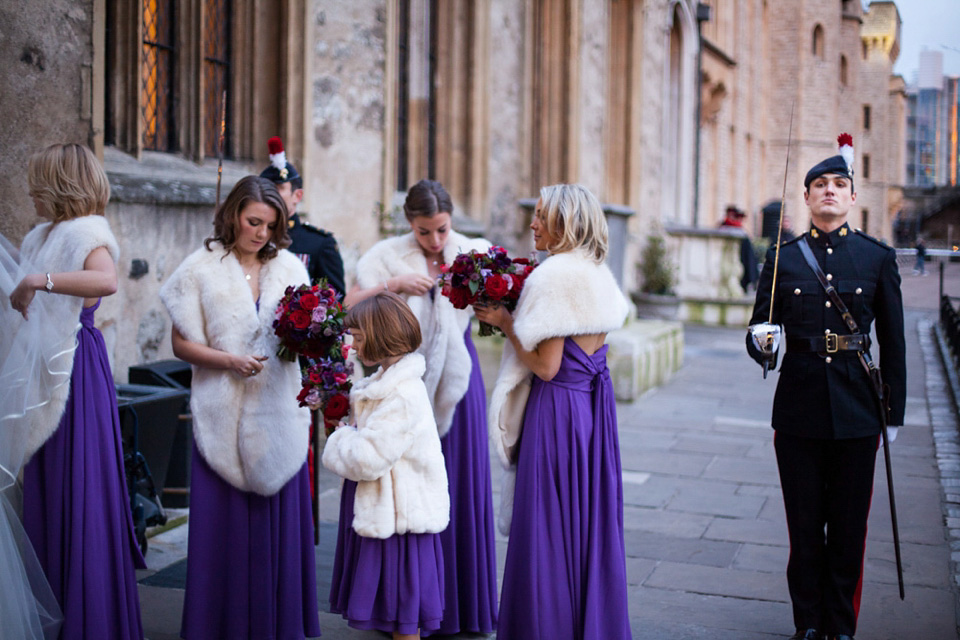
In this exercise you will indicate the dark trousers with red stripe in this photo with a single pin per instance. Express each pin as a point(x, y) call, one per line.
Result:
point(827, 486)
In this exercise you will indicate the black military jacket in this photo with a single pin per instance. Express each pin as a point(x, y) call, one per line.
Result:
point(318, 251)
point(830, 396)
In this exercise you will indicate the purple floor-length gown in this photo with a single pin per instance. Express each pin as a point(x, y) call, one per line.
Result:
point(565, 573)
point(250, 567)
point(393, 584)
point(75, 507)
point(469, 547)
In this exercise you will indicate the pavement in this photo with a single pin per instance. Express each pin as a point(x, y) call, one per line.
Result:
point(706, 539)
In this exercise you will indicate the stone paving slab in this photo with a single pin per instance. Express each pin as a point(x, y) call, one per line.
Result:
point(713, 553)
point(719, 581)
point(716, 503)
point(764, 558)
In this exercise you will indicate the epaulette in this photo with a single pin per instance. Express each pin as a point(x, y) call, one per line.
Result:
point(786, 242)
point(310, 227)
point(866, 236)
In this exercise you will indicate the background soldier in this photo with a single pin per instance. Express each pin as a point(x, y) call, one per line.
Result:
point(315, 247)
point(825, 413)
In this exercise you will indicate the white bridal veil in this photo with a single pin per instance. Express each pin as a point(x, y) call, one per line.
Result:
point(32, 365)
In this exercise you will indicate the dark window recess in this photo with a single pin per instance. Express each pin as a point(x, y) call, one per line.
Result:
point(216, 76)
point(866, 117)
point(403, 92)
point(157, 76)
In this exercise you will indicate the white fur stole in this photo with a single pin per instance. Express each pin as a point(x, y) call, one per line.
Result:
point(60, 248)
point(249, 430)
point(442, 326)
point(567, 295)
point(393, 454)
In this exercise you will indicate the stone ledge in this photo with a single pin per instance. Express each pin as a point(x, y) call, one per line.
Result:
point(643, 354)
point(713, 311)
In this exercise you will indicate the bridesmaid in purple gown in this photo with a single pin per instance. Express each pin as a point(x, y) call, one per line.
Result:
point(409, 265)
point(250, 562)
point(565, 573)
point(76, 509)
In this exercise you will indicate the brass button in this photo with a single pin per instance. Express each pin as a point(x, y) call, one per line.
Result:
point(829, 250)
point(796, 292)
point(829, 277)
point(826, 332)
point(829, 359)
point(828, 304)
point(858, 291)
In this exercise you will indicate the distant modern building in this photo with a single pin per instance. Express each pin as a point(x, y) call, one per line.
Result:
point(932, 125)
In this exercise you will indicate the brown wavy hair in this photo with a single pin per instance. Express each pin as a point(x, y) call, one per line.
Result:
point(226, 222)
point(68, 181)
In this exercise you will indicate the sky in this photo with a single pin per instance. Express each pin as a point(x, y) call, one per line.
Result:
point(934, 24)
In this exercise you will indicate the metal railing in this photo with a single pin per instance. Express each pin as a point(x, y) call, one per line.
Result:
point(950, 322)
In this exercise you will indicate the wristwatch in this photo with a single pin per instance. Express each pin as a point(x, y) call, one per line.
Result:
point(49, 285)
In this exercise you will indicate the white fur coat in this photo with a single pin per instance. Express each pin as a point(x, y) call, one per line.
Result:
point(249, 430)
point(59, 248)
point(393, 454)
point(567, 295)
point(448, 362)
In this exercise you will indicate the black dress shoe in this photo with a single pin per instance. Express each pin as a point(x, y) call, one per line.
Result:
point(809, 634)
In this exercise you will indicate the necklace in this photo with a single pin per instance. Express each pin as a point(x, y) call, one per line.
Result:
point(245, 274)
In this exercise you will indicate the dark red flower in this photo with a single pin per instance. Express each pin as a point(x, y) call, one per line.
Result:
point(300, 319)
point(315, 377)
point(495, 287)
point(309, 302)
point(337, 407)
point(460, 298)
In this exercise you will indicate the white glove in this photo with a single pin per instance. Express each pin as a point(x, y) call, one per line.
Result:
point(892, 433)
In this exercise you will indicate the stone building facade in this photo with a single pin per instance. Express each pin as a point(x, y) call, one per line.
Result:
point(831, 64)
point(494, 98)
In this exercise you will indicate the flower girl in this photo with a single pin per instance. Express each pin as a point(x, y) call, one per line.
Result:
point(388, 570)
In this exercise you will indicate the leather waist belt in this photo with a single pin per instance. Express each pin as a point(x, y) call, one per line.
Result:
point(829, 343)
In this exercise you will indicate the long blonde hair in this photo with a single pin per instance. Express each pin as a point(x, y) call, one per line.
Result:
point(68, 181)
point(574, 217)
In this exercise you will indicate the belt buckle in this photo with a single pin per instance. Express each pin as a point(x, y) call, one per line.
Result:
point(833, 342)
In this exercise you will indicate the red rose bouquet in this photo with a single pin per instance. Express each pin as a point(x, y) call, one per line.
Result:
point(488, 277)
point(326, 385)
point(309, 322)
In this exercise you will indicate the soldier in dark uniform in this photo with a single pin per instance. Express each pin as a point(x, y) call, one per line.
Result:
point(825, 414)
point(315, 247)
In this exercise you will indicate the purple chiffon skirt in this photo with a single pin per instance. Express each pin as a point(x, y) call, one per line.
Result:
point(393, 584)
point(75, 507)
point(469, 547)
point(565, 573)
point(250, 565)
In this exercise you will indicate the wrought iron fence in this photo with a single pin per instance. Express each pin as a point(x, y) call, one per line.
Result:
point(950, 326)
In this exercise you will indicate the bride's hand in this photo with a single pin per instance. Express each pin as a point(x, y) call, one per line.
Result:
point(23, 294)
point(412, 284)
point(494, 315)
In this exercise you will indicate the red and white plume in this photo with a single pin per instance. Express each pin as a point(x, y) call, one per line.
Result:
point(845, 142)
point(278, 157)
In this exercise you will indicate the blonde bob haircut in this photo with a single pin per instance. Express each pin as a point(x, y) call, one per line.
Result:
point(388, 325)
point(68, 181)
point(574, 219)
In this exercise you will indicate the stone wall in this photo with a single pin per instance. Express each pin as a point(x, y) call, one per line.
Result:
point(47, 79)
point(343, 169)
